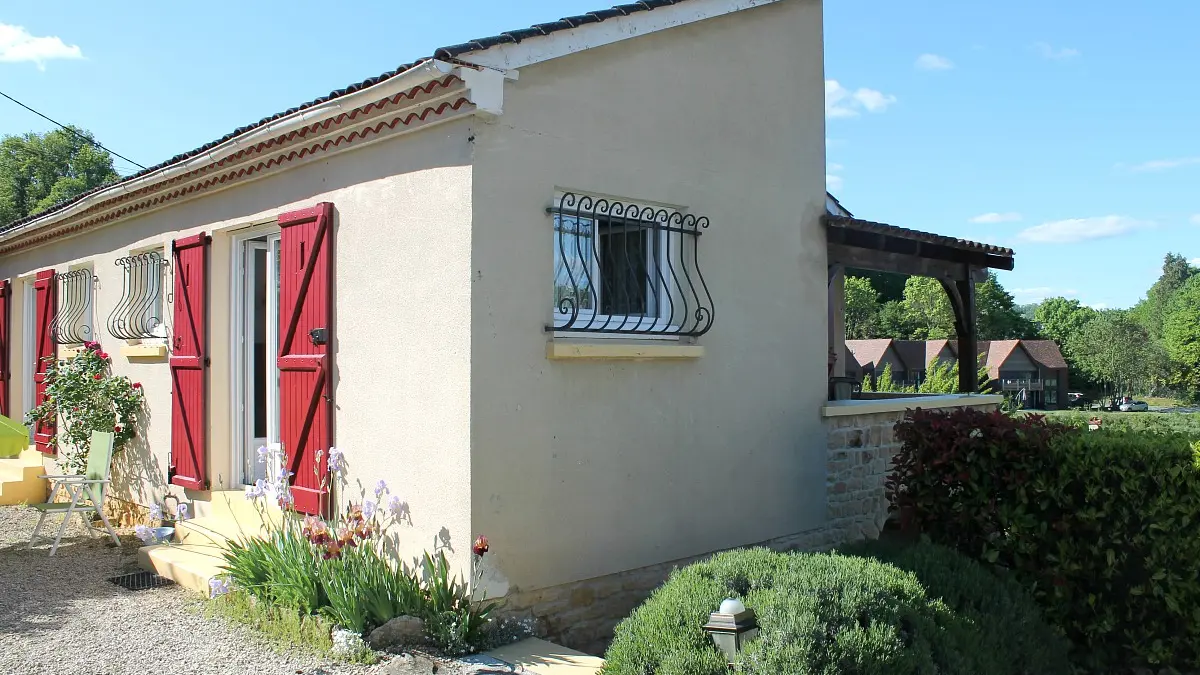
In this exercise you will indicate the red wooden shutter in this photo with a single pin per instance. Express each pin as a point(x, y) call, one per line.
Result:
point(5, 370)
point(189, 364)
point(305, 354)
point(45, 299)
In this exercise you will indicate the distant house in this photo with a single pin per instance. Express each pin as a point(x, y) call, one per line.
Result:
point(1036, 367)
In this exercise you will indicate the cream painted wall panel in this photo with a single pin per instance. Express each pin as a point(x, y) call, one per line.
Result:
point(402, 339)
point(581, 469)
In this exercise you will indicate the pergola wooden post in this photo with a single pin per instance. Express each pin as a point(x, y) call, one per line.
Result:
point(956, 263)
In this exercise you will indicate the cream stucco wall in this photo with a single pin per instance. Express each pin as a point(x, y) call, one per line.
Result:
point(580, 469)
point(402, 337)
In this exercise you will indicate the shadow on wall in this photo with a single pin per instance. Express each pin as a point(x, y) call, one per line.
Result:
point(136, 472)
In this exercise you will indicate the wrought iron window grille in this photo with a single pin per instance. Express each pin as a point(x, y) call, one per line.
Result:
point(138, 314)
point(73, 322)
point(628, 269)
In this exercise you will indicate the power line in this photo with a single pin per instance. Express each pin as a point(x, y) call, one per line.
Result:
point(67, 128)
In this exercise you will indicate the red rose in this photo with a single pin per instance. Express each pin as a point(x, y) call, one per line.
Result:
point(97, 376)
point(137, 385)
point(104, 355)
point(117, 428)
point(481, 546)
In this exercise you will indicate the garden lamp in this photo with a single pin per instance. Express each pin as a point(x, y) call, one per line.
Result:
point(731, 627)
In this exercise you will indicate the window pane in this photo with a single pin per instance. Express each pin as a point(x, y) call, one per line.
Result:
point(573, 266)
point(628, 269)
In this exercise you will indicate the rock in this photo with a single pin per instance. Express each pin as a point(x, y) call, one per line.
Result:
point(402, 630)
point(347, 643)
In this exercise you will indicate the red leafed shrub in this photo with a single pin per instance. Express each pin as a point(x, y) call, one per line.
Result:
point(956, 471)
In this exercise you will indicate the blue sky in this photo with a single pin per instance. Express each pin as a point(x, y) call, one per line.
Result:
point(1067, 132)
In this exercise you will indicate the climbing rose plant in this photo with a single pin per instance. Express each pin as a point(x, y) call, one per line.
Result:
point(84, 396)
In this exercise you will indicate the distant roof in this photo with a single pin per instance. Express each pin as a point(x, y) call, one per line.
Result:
point(444, 53)
point(858, 224)
point(1045, 352)
point(869, 351)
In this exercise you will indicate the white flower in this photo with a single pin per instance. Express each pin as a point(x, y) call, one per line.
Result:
point(156, 512)
point(368, 509)
point(181, 512)
point(263, 454)
point(144, 533)
point(395, 506)
point(337, 461)
point(218, 587)
point(256, 491)
point(381, 489)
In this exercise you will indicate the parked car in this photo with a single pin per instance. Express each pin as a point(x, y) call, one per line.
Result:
point(1135, 406)
point(1076, 399)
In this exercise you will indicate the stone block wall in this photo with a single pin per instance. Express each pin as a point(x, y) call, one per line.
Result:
point(582, 614)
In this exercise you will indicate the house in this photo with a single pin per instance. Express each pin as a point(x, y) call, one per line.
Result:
point(909, 359)
point(1035, 367)
point(555, 286)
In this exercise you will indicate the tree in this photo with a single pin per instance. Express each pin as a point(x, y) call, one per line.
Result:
point(1153, 310)
point(894, 321)
point(862, 308)
point(1181, 336)
point(998, 315)
point(1114, 349)
point(39, 170)
point(928, 308)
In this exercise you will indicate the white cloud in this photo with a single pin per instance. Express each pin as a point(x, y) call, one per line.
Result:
point(17, 45)
point(933, 62)
point(1097, 305)
point(842, 102)
point(1195, 220)
point(1075, 230)
point(1194, 262)
point(1048, 51)
point(833, 183)
point(1039, 293)
point(994, 218)
point(1164, 164)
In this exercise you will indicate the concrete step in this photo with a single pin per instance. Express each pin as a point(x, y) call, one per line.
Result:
point(233, 505)
point(19, 479)
point(189, 565)
point(216, 531)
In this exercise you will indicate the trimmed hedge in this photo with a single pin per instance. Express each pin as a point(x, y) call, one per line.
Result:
point(1102, 527)
point(1010, 623)
point(818, 613)
point(1151, 422)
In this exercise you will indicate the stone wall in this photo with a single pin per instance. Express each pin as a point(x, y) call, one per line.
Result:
point(582, 614)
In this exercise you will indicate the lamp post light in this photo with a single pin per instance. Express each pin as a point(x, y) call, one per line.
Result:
point(731, 627)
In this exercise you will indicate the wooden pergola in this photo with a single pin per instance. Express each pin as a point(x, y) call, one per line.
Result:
point(957, 263)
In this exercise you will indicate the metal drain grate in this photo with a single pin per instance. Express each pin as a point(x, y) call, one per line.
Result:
point(141, 580)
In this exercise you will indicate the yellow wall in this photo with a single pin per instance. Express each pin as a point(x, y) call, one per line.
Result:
point(402, 347)
point(585, 468)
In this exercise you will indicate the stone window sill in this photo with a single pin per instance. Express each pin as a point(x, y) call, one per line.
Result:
point(143, 351)
point(867, 407)
point(563, 350)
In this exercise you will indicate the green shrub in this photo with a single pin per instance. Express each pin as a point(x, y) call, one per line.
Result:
point(818, 613)
point(1011, 627)
point(1102, 527)
point(282, 570)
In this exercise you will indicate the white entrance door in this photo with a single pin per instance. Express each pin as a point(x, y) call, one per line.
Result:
point(257, 381)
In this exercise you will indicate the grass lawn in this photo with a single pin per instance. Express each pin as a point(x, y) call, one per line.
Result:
point(1183, 423)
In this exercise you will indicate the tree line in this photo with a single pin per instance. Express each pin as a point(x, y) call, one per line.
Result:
point(1152, 348)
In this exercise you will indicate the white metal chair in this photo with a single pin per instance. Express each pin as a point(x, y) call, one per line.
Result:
point(86, 492)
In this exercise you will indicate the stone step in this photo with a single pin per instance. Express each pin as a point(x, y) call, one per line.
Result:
point(23, 492)
point(189, 565)
point(15, 471)
point(233, 505)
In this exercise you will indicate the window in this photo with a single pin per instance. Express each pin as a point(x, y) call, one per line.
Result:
point(73, 324)
point(627, 269)
point(139, 312)
point(1051, 389)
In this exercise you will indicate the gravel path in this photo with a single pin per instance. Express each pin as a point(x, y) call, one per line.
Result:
point(60, 615)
